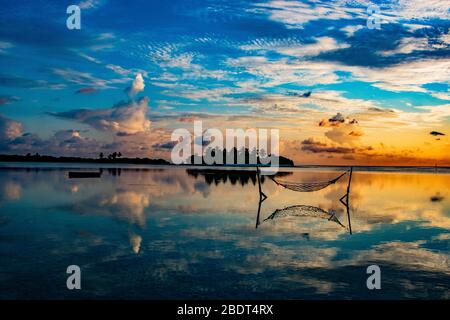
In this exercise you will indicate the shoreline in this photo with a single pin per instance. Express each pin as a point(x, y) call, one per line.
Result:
point(63, 165)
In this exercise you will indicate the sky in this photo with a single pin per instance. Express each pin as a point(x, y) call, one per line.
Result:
point(137, 70)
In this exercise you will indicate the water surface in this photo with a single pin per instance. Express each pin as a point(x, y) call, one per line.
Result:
point(179, 233)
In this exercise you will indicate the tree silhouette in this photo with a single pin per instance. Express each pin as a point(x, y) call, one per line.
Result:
point(235, 157)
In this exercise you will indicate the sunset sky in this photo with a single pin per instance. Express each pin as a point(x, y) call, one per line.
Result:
point(139, 69)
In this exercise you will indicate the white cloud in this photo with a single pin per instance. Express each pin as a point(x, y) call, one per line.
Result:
point(419, 9)
point(124, 118)
point(90, 4)
point(9, 129)
point(296, 14)
point(80, 78)
point(62, 142)
point(295, 48)
point(169, 58)
point(410, 44)
point(445, 39)
point(273, 73)
point(441, 95)
point(434, 114)
point(5, 45)
point(317, 105)
point(414, 26)
point(352, 29)
point(118, 69)
point(137, 86)
point(90, 58)
point(408, 76)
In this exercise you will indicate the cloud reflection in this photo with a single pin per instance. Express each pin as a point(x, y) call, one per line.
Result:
point(179, 225)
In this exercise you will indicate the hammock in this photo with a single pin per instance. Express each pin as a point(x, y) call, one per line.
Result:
point(304, 211)
point(306, 186)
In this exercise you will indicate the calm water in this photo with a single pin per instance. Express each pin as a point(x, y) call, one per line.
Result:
point(164, 233)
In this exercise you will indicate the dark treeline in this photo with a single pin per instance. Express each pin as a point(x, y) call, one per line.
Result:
point(116, 157)
point(248, 157)
point(112, 158)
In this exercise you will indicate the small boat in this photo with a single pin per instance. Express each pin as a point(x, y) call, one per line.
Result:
point(84, 174)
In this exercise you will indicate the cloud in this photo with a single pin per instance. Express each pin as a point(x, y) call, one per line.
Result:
point(80, 78)
point(352, 29)
point(336, 121)
point(9, 129)
point(337, 118)
point(87, 90)
point(343, 129)
point(408, 45)
point(5, 99)
point(171, 59)
point(344, 134)
point(125, 117)
point(310, 145)
point(419, 10)
point(90, 4)
point(356, 133)
point(407, 76)
point(11, 81)
point(165, 146)
point(137, 86)
point(126, 125)
point(381, 110)
point(294, 48)
point(437, 133)
point(62, 142)
point(5, 45)
point(118, 69)
point(441, 95)
point(71, 142)
point(427, 115)
point(270, 73)
point(295, 15)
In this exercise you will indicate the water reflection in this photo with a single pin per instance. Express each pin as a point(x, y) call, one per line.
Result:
point(235, 176)
point(306, 210)
point(177, 233)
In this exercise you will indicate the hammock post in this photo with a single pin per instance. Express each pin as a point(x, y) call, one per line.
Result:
point(349, 182)
point(258, 214)
point(262, 197)
point(347, 199)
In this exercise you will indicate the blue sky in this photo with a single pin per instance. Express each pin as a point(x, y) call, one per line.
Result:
point(138, 69)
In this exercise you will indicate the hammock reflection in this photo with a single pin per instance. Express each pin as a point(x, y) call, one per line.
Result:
point(307, 210)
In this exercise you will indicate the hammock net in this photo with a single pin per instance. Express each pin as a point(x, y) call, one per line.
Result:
point(304, 211)
point(306, 186)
